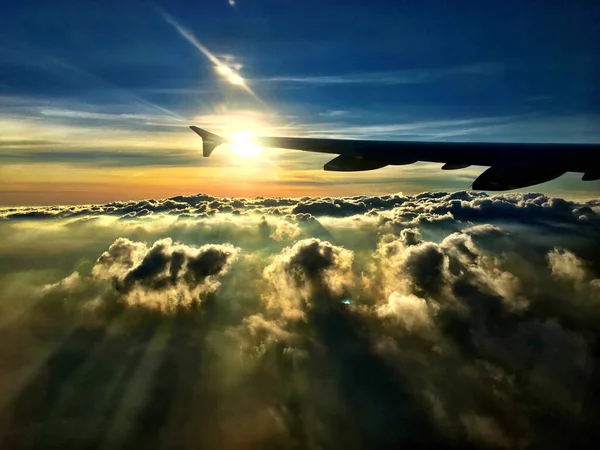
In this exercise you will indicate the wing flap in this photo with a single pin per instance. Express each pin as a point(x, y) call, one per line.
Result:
point(450, 166)
point(345, 163)
point(504, 178)
point(591, 175)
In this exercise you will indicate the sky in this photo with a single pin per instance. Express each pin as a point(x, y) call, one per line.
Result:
point(96, 97)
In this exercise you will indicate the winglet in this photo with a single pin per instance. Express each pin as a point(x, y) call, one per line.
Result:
point(210, 141)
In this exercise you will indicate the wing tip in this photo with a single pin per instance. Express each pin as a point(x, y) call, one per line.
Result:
point(210, 141)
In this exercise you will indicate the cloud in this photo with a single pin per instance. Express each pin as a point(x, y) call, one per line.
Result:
point(166, 275)
point(102, 158)
point(76, 114)
point(396, 209)
point(408, 311)
point(566, 265)
point(410, 76)
point(163, 267)
point(312, 270)
point(468, 319)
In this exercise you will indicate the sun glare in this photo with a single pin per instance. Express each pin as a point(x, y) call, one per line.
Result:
point(241, 144)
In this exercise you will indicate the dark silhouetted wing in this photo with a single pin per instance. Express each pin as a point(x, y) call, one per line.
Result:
point(512, 165)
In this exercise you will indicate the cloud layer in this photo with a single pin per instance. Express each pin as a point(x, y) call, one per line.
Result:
point(358, 322)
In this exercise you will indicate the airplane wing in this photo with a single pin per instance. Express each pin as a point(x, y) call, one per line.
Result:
point(511, 165)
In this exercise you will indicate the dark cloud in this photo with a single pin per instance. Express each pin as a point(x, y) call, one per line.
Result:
point(479, 315)
point(311, 273)
point(103, 158)
point(436, 320)
point(177, 273)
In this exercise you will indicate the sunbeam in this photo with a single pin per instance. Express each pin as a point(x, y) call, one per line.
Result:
point(232, 77)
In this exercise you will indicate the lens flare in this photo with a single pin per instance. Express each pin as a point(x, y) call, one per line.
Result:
point(221, 68)
point(224, 70)
point(236, 79)
point(230, 75)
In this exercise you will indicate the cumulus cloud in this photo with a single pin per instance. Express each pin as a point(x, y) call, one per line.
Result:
point(409, 311)
point(165, 275)
point(311, 270)
point(566, 265)
point(455, 319)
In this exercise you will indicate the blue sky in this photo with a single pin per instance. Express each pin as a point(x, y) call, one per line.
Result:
point(468, 70)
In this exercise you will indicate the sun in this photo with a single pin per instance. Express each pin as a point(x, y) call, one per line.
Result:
point(241, 144)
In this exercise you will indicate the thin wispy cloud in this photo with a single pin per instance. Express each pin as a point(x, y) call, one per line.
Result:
point(124, 158)
point(335, 113)
point(409, 76)
point(75, 114)
point(78, 81)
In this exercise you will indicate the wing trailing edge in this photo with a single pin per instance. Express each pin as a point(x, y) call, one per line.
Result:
point(345, 163)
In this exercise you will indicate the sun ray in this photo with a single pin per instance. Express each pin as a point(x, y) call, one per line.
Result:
point(231, 76)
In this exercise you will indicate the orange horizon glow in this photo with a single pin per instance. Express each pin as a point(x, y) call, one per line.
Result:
point(74, 186)
point(101, 169)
